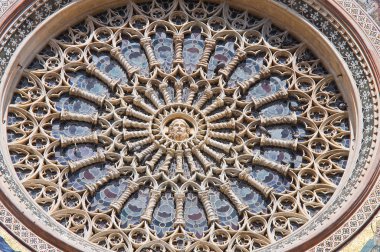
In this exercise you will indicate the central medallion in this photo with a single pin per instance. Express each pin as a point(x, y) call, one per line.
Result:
point(179, 126)
point(179, 130)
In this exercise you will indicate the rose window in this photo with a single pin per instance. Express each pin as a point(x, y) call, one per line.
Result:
point(204, 132)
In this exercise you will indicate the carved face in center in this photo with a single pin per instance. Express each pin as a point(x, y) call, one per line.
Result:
point(179, 130)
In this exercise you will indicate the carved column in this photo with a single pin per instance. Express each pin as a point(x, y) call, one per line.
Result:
point(209, 47)
point(211, 215)
point(239, 57)
point(111, 83)
point(165, 166)
point(179, 162)
point(226, 113)
point(223, 125)
point(225, 136)
point(207, 95)
point(134, 134)
point(138, 101)
point(132, 187)
point(178, 92)
point(147, 151)
point(131, 112)
point(289, 144)
point(221, 146)
point(156, 157)
point(292, 119)
point(114, 174)
point(154, 196)
point(178, 42)
point(164, 90)
point(68, 116)
point(149, 92)
point(142, 142)
point(212, 153)
point(116, 53)
point(244, 175)
point(128, 123)
point(227, 190)
point(179, 198)
point(98, 100)
point(205, 163)
point(282, 94)
point(190, 161)
point(146, 44)
point(193, 91)
point(259, 160)
point(263, 74)
point(77, 165)
point(219, 102)
point(66, 141)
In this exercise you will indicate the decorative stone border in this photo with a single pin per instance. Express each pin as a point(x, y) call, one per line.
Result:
point(40, 16)
point(17, 229)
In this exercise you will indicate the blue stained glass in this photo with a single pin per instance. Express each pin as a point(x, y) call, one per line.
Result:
point(267, 87)
point(186, 169)
point(109, 66)
point(88, 175)
point(14, 118)
point(283, 132)
point(74, 153)
point(70, 129)
point(343, 124)
point(249, 196)
point(278, 154)
point(224, 52)
point(271, 178)
point(75, 105)
point(17, 157)
point(134, 208)
point(13, 135)
point(135, 55)
point(334, 177)
point(193, 47)
point(343, 140)
point(278, 108)
point(164, 215)
point(246, 69)
point(340, 161)
point(25, 83)
point(108, 194)
point(283, 156)
point(195, 216)
point(18, 98)
point(163, 49)
point(287, 132)
point(226, 212)
point(88, 83)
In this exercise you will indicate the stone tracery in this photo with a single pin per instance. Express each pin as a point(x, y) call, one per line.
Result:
point(96, 140)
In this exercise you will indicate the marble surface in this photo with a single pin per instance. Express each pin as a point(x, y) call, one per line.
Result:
point(372, 7)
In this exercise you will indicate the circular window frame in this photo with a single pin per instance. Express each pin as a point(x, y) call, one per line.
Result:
point(21, 57)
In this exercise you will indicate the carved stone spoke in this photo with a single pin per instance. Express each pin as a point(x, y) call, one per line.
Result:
point(77, 165)
point(99, 100)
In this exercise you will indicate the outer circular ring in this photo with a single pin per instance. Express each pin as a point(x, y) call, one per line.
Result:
point(370, 176)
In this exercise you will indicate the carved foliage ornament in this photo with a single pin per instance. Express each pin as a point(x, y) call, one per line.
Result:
point(205, 130)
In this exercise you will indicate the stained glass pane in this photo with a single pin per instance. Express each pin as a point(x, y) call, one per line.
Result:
point(164, 215)
point(195, 216)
